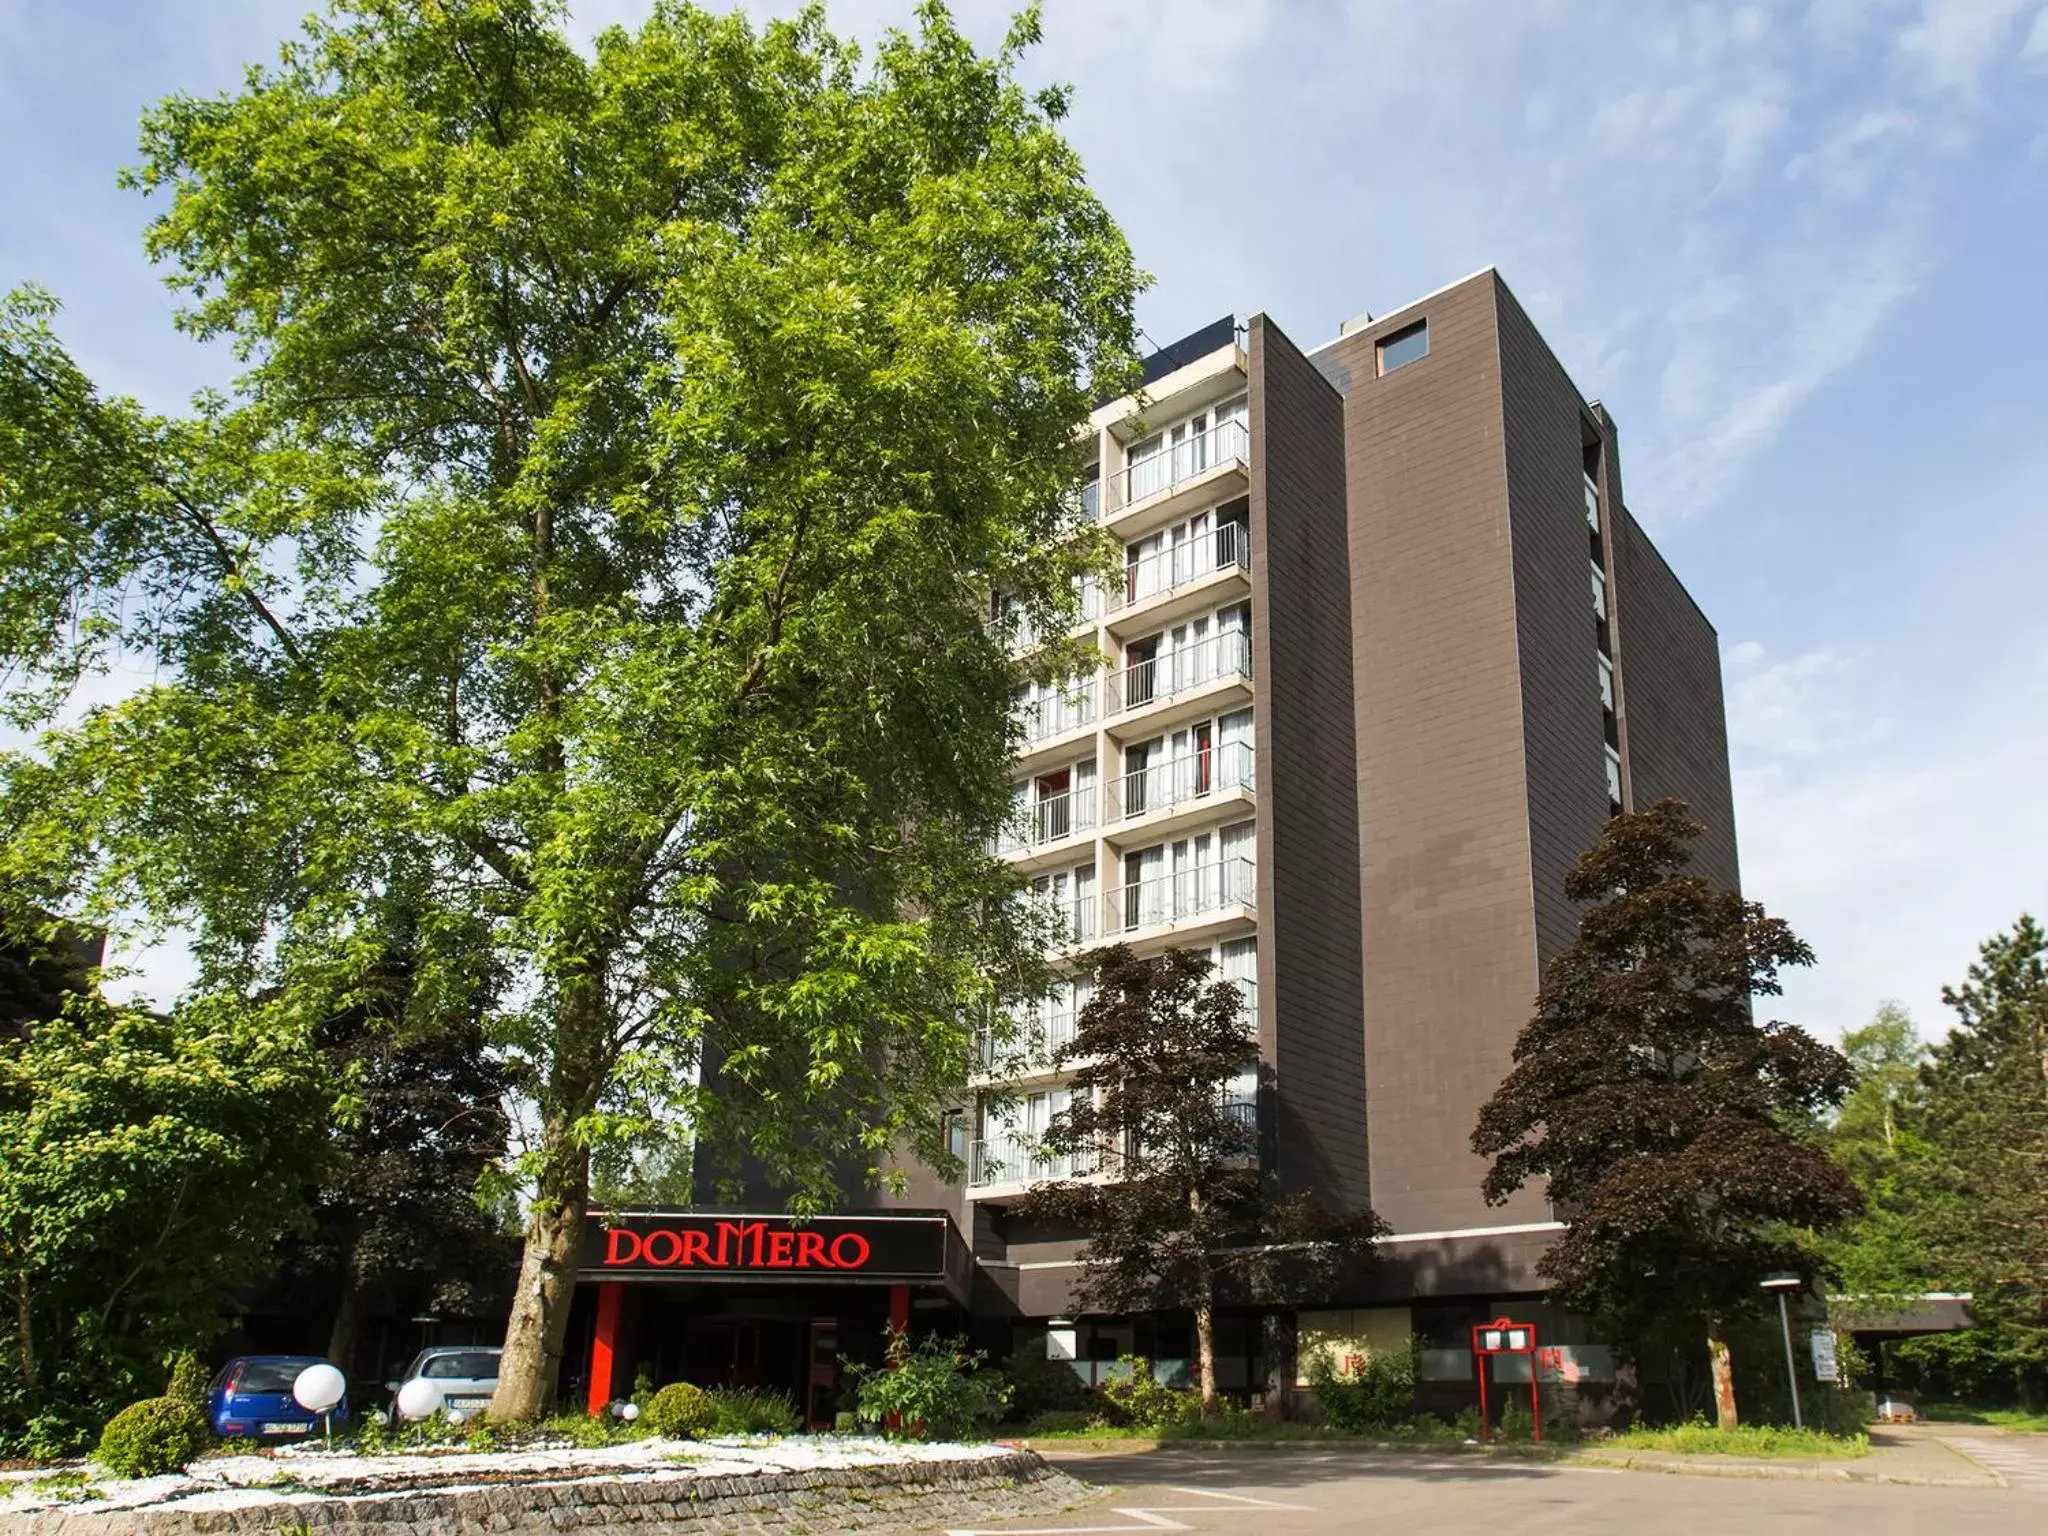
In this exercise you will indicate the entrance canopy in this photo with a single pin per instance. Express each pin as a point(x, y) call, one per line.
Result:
point(910, 1248)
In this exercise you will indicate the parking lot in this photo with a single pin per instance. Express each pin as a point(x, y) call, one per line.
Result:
point(1278, 1492)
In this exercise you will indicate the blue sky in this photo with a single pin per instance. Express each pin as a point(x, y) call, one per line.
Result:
point(1796, 248)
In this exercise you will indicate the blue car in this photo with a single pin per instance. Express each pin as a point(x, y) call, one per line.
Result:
point(252, 1397)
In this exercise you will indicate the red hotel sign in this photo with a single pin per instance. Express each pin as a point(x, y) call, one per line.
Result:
point(721, 1246)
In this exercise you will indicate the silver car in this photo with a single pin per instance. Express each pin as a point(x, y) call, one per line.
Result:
point(466, 1375)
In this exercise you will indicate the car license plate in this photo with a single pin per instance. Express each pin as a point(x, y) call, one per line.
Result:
point(471, 1402)
point(286, 1429)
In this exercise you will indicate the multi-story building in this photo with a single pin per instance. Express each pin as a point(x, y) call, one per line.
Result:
point(1387, 652)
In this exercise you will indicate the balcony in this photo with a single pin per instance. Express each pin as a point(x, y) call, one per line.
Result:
point(1032, 1046)
point(1185, 898)
point(1019, 1159)
point(1226, 443)
point(1217, 776)
point(1075, 705)
point(1073, 917)
point(1050, 821)
point(1011, 1162)
point(1186, 569)
point(1221, 660)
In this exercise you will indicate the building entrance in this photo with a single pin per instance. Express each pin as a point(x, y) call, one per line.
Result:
point(737, 1300)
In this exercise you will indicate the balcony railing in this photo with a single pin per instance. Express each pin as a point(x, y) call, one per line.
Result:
point(1050, 820)
point(1076, 704)
point(1173, 673)
point(1226, 547)
point(1226, 442)
point(1032, 1044)
point(1183, 894)
point(1181, 780)
point(1074, 916)
point(1019, 1159)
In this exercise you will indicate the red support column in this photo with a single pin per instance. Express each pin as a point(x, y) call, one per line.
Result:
point(604, 1343)
point(899, 1322)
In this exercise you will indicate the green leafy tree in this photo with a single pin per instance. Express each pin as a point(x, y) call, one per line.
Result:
point(147, 1167)
point(1986, 1113)
point(398, 1221)
point(1887, 1251)
point(1177, 1210)
point(41, 964)
point(1662, 1114)
point(592, 560)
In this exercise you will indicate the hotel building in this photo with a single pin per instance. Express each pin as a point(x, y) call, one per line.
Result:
point(1388, 651)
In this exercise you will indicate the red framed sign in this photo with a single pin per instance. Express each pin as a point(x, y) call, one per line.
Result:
point(1504, 1336)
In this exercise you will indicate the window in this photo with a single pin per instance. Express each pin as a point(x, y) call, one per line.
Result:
point(1614, 781)
point(1592, 505)
point(1599, 594)
point(1606, 685)
point(1407, 345)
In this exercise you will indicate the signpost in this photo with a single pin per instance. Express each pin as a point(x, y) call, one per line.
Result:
point(1505, 1337)
point(1822, 1343)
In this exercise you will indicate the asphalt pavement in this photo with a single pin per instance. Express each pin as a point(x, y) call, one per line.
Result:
point(1282, 1491)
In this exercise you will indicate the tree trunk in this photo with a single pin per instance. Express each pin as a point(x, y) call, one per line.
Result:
point(1205, 1353)
point(1724, 1374)
point(1278, 1334)
point(539, 1325)
point(341, 1339)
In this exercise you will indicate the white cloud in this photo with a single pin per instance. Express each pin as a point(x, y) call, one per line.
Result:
point(1955, 42)
point(2035, 50)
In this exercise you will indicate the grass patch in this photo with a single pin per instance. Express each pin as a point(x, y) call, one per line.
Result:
point(2003, 1418)
point(66, 1487)
point(1241, 1427)
point(1764, 1441)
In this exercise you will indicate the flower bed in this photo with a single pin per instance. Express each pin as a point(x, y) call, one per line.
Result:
point(449, 1487)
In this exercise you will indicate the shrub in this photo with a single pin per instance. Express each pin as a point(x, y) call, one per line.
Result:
point(1040, 1386)
point(680, 1411)
point(1468, 1421)
point(1378, 1395)
point(745, 1411)
point(1063, 1420)
point(154, 1436)
point(939, 1388)
point(1515, 1424)
point(1427, 1426)
point(188, 1379)
point(1136, 1396)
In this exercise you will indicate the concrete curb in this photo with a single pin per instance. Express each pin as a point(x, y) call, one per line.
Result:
point(1854, 1472)
point(1970, 1473)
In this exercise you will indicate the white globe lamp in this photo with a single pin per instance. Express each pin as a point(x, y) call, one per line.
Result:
point(418, 1398)
point(629, 1411)
point(319, 1388)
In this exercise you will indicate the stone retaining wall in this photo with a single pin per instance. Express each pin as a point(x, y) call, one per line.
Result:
point(919, 1496)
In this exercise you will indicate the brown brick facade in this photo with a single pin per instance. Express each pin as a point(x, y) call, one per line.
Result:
point(1309, 975)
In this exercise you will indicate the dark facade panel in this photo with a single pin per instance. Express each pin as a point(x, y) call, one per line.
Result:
point(1546, 427)
point(1674, 721)
point(1448, 932)
point(1310, 989)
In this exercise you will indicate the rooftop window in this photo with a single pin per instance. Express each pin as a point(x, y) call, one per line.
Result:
point(1407, 345)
